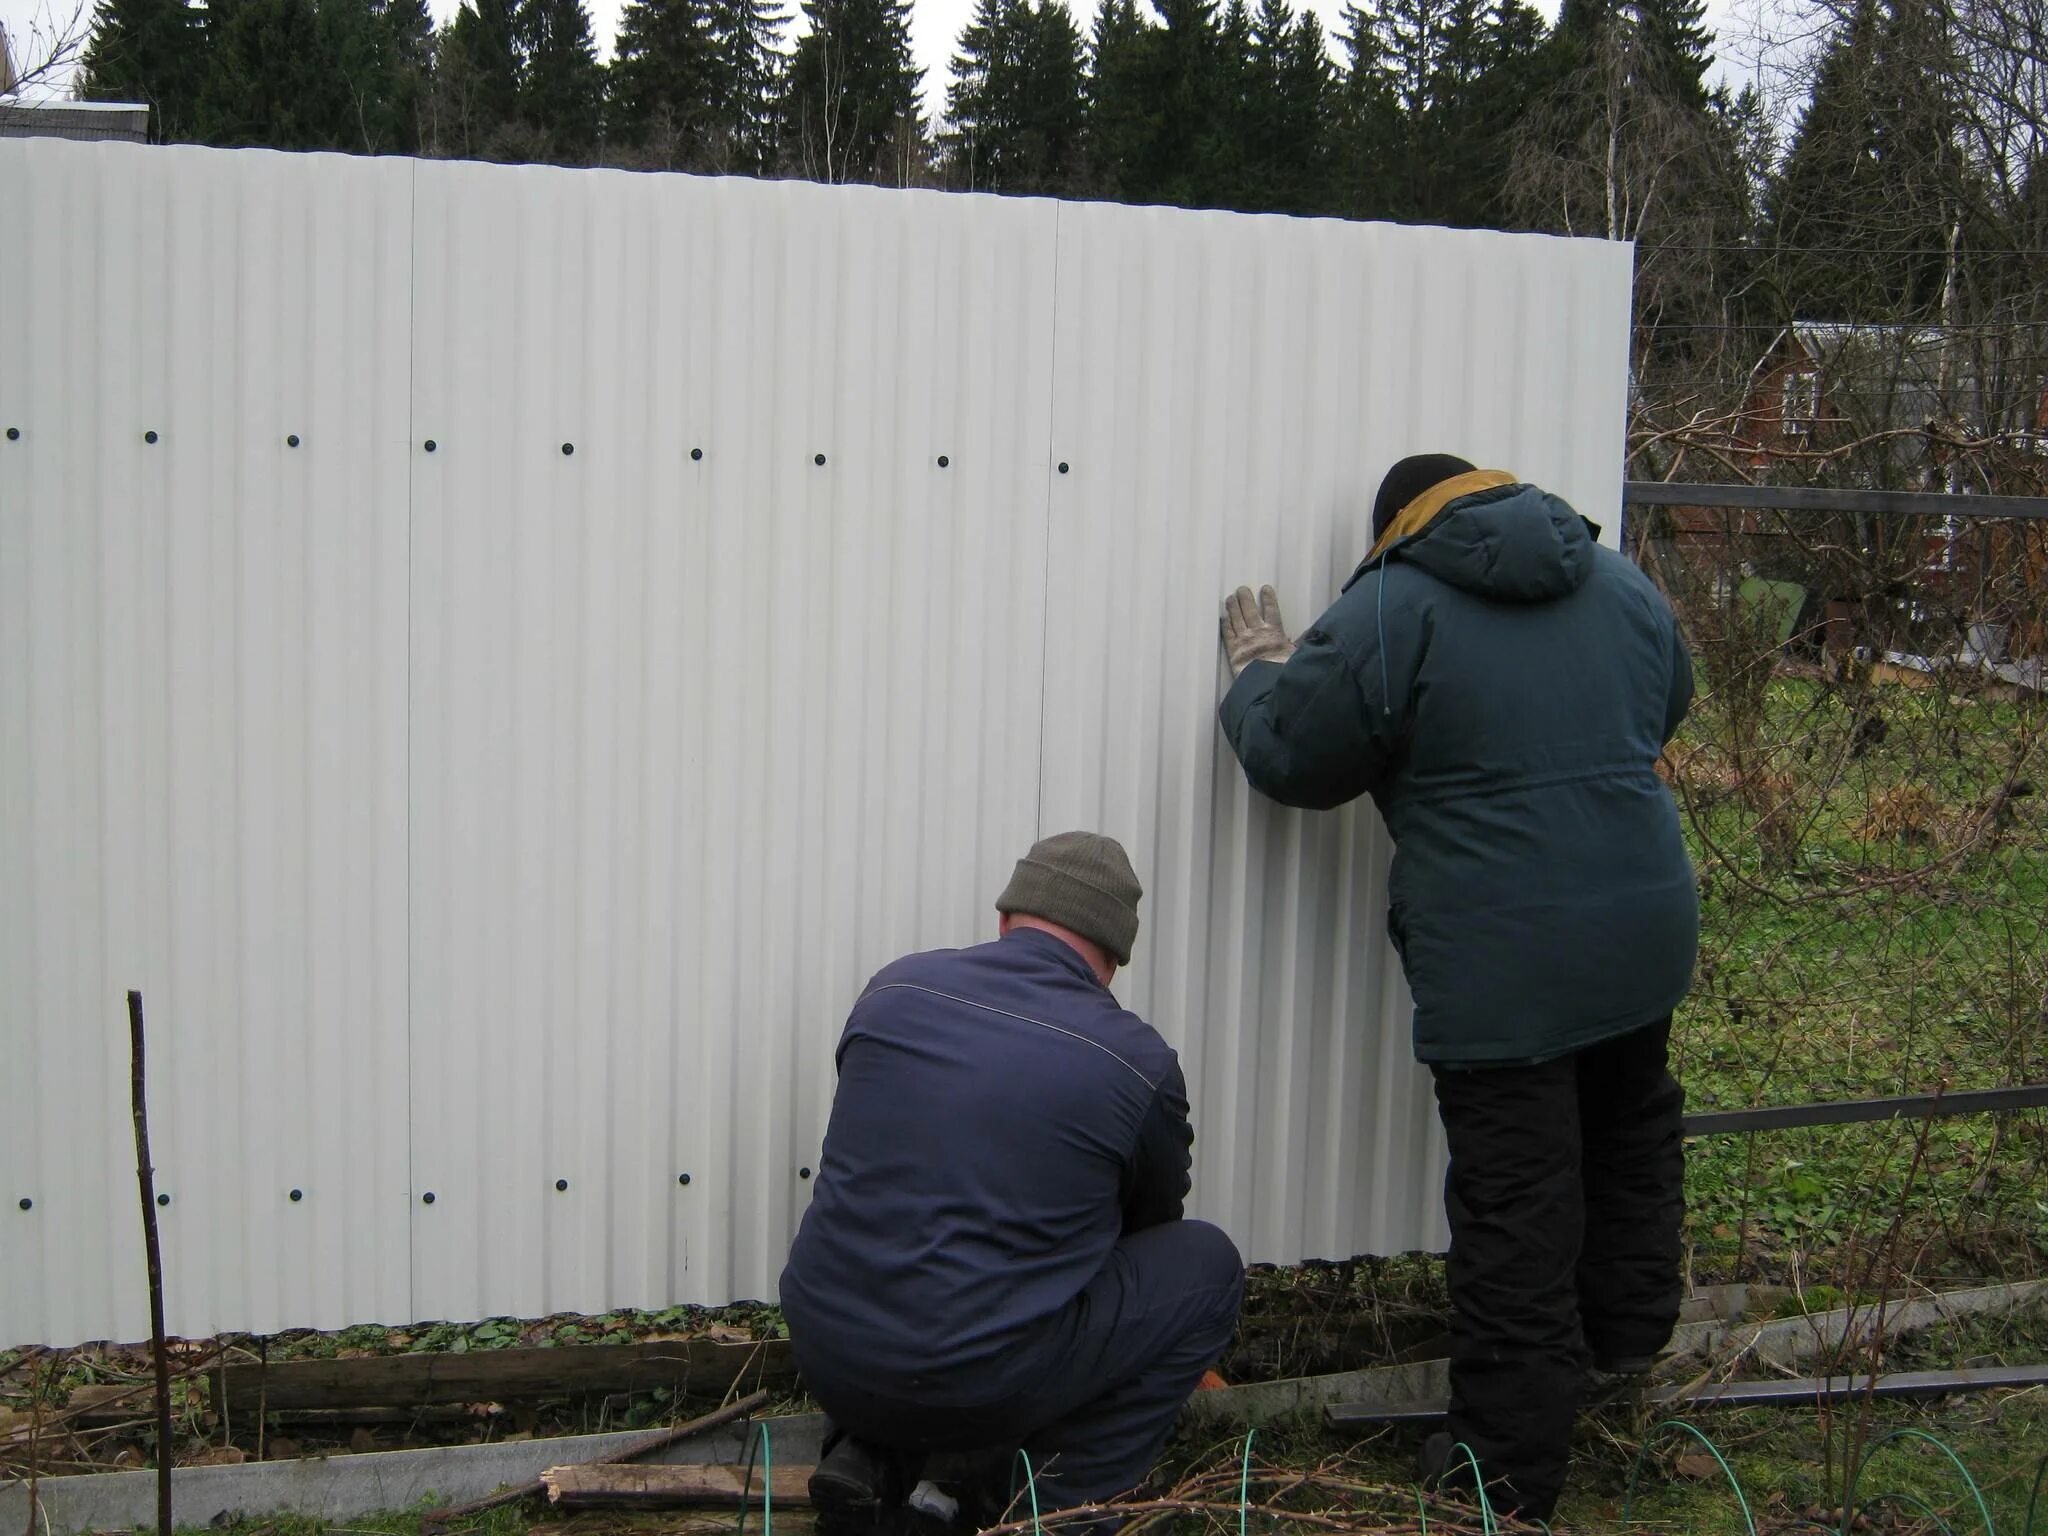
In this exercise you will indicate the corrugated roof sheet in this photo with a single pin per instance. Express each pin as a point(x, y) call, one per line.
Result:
point(88, 121)
point(527, 809)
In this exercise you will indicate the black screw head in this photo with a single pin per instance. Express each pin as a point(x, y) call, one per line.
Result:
point(149, 437)
point(803, 1173)
point(567, 449)
point(944, 461)
point(1063, 466)
point(819, 460)
point(561, 1184)
point(163, 1199)
point(27, 1204)
point(14, 434)
point(292, 441)
point(427, 1198)
point(696, 454)
point(298, 1194)
point(431, 445)
point(682, 1178)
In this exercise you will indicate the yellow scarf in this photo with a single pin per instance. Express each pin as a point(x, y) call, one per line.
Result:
point(1418, 514)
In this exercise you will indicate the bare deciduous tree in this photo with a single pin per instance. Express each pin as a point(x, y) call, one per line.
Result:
point(40, 61)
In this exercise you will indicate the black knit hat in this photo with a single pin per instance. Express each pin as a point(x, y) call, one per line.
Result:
point(1408, 480)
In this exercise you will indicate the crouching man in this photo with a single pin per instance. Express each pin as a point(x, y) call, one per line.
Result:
point(995, 1255)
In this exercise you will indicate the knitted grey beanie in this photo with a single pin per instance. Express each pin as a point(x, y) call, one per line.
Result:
point(1083, 881)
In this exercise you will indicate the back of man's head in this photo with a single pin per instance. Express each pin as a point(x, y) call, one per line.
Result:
point(1409, 479)
point(1080, 881)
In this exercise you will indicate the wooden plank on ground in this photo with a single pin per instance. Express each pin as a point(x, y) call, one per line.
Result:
point(695, 1367)
point(714, 1486)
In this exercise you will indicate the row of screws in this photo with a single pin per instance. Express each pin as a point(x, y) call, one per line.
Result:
point(425, 1199)
point(432, 445)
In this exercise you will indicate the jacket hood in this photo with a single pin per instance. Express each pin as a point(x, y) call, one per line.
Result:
point(1517, 544)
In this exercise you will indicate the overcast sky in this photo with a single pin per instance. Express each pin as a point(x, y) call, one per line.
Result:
point(935, 26)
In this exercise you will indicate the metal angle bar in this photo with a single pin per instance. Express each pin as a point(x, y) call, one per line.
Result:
point(1739, 1394)
point(1973, 1101)
point(1751, 1394)
point(1813, 498)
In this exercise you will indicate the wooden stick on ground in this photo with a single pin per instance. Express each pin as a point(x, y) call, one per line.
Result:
point(717, 1419)
point(139, 1098)
point(718, 1487)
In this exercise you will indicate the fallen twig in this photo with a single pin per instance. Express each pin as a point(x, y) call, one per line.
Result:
point(717, 1419)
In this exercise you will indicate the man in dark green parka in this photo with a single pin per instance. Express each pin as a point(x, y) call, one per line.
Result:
point(1502, 686)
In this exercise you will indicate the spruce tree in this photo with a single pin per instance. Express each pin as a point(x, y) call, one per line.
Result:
point(745, 78)
point(1185, 95)
point(980, 100)
point(561, 96)
point(851, 85)
point(1016, 102)
point(1678, 48)
point(150, 51)
point(1054, 99)
point(1118, 120)
point(1873, 181)
point(660, 82)
point(1308, 86)
point(271, 80)
point(381, 51)
point(1438, 53)
point(1289, 115)
point(1368, 122)
point(407, 28)
point(1225, 180)
point(476, 85)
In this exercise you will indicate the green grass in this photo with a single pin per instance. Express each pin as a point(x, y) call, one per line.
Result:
point(1881, 934)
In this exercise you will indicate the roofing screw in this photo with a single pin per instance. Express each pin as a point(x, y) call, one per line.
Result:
point(292, 441)
point(944, 461)
point(427, 1198)
point(163, 1199)
point(14, 434)
point(819, 460)
point(567, 449)
point(149, 437)
point(803, 1173)
point(682, 1178)
point(432, 445)
point(27, 1204)
point(561, 1184)
point(298, 1194)
point(696, 454)
point(1063, 466)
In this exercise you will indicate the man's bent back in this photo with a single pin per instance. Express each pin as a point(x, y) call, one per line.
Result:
point(995, 1253)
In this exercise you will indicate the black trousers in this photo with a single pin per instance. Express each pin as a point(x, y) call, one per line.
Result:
point(1111, 1372)
point(1565, 1195)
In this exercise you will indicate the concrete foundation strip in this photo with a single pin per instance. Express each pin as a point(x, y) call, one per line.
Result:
point(1750, 1394)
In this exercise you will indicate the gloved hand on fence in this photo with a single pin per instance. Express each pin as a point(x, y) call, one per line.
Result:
point(1252, 630)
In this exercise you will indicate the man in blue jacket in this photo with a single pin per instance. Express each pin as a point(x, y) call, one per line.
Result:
point(995, 1254)
point(1502, 686)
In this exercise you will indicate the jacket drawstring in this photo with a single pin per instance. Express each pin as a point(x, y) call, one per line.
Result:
point(1386, 681)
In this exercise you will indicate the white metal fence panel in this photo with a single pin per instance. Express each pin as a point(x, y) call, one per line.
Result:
point(512, 821)
point(699, 743)
point(202, 678)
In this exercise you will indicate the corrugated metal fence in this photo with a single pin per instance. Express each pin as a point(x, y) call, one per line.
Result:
point(499, 655)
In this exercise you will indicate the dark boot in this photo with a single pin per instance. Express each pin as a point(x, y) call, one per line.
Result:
point(851, 1474)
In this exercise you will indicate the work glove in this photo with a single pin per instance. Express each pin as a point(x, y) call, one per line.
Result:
point(1251, 629)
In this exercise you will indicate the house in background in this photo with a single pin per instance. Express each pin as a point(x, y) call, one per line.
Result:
point(1962, 410)
point(116, 121)
point(1901, 408)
